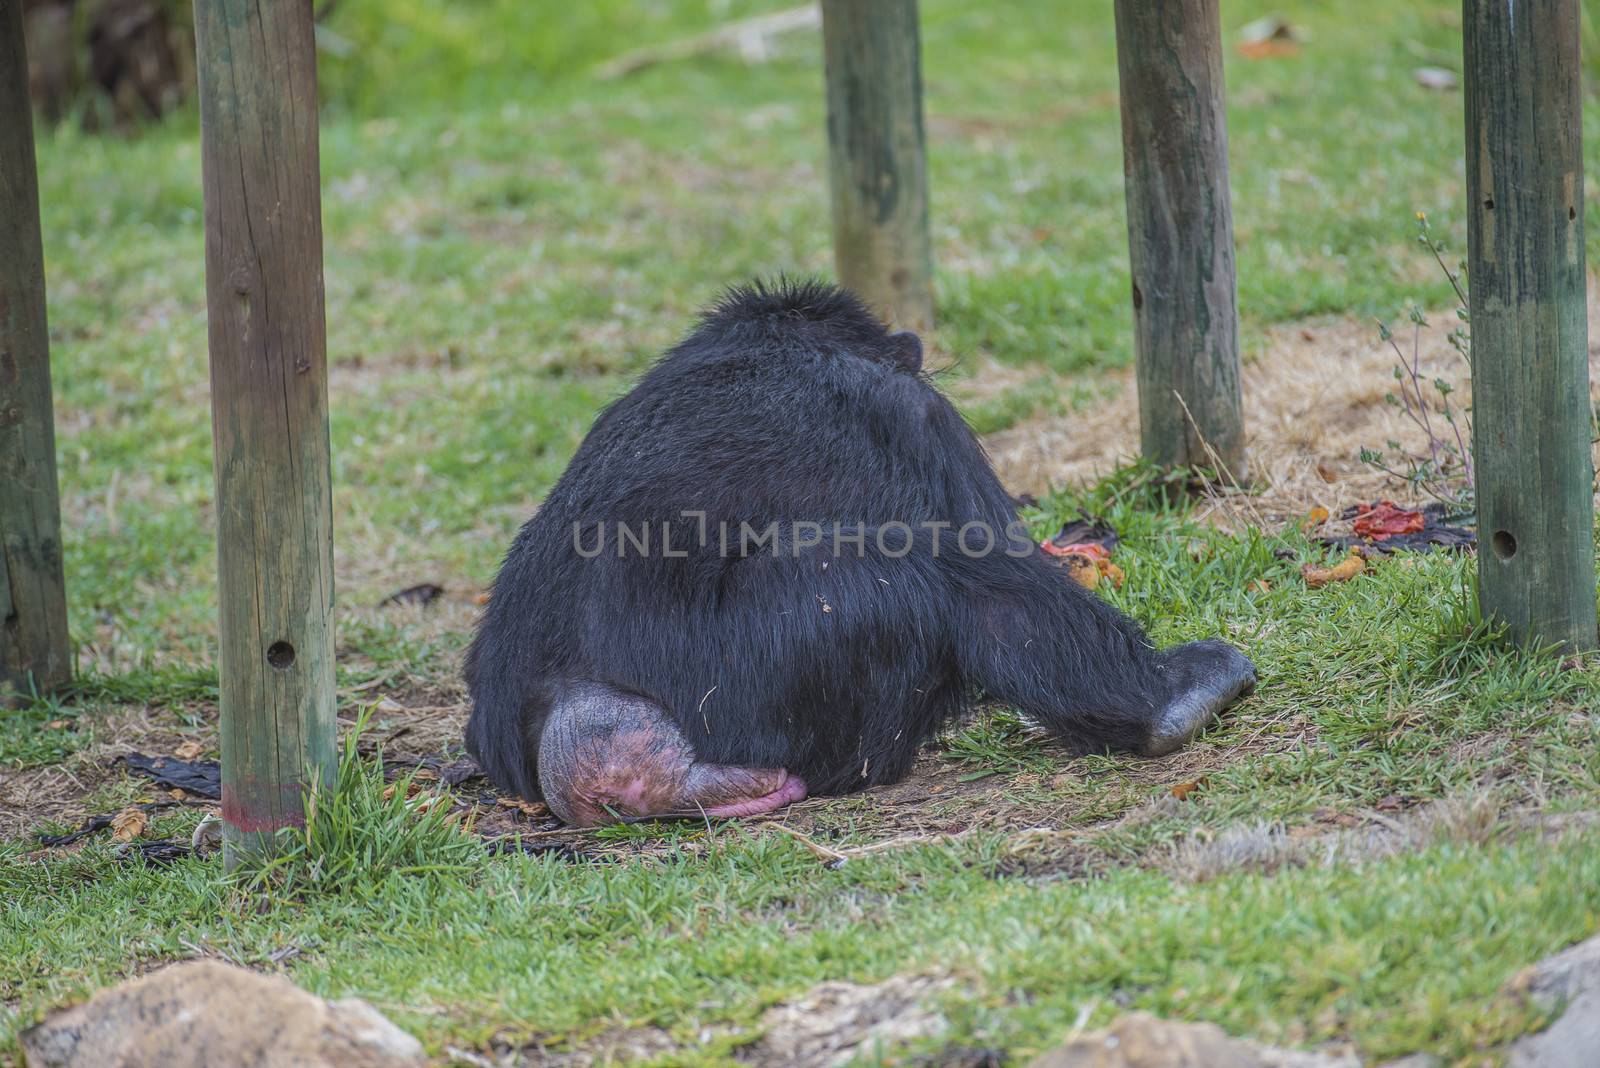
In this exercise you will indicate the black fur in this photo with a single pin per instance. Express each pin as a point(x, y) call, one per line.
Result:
point(791, 402)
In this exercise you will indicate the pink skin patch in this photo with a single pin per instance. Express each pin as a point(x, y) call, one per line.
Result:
point(638, 797)
point(793, 789)
point(594, 772)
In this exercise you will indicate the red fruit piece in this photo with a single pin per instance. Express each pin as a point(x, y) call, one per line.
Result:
point(1384, 519)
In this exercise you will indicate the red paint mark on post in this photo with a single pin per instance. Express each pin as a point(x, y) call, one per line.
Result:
point(249, 806)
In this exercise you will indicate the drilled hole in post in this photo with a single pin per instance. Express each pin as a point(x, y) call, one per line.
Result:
point(280, 655)
point(1488, 202)
point(1504, 545)
point(1138, 297)
point(1572, 213)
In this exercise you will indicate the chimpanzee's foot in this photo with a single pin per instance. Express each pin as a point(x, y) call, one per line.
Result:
point(607, 755)
point(1205, 678)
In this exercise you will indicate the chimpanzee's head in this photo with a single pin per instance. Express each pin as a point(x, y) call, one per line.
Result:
point(798, 316)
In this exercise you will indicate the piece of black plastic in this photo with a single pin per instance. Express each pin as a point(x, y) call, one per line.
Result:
point(203, 778)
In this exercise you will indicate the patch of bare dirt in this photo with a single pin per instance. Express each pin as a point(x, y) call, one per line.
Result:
point(406, 724)
point(1346, 837)
point(619, 1045)
point(62, 792)
point(986, 379)
point(1313, 397)
point(942, 799)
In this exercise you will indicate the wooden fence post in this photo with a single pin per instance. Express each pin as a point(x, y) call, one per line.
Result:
point(879, 163)
point(1180, 232)
point(34, 652)
point(1530, 352)
point(269, 409)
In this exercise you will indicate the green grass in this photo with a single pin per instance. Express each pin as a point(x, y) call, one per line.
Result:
point(517, 254)
point(1398, 955)
point(1375, 689)
point(359, 834)
point(507, 242)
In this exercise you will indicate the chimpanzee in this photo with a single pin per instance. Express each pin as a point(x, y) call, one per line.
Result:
point(777, 567)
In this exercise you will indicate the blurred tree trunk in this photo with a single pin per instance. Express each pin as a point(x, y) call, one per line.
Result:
point(115, 61)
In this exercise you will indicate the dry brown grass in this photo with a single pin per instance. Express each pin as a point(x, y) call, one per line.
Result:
point(1314, 396)
point(64, 792)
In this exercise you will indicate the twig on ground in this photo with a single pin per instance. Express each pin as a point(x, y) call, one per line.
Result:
point(826, 854)
point(835, 857)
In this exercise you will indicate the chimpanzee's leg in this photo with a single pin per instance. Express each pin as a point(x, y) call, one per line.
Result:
point(1084, 670)
point(605, 754)
point(1203, 678)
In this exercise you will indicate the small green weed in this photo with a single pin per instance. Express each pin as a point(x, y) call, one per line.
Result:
point(361, 834)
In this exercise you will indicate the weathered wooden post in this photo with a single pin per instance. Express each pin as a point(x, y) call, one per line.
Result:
point(269, 409)
point(1180, 232)
point(1530, 352)
point(34, 654)
point(879, 164)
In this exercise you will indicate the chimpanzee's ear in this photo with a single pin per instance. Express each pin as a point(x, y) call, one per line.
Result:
point(906, 349)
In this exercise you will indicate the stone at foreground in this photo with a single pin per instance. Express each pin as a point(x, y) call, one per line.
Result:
point(1140, 1040)
point(201, 1014)
point(1569, 984)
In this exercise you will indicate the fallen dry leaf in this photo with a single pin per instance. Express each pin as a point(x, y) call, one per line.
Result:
point(129, 824)
point(1261, 585)
point(1270, 28)
point(1182, 790)
point(177, 794)
point(189, 751)
point(424, 593)
point(412, 790)
point(1314, 518)
point(1268, 49)
point(534, 809)
point(1082, 548)
point(1347, 569)
point(1083, 570)
point(1086, 562)
point(481, 599)
point(1273, 36)
point(1334, 816)
point(58, 725)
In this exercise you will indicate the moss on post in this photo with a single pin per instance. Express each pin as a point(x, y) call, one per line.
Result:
point(34, 651)
point(269, 409)
point(1530, 352)
point(1180, 232)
